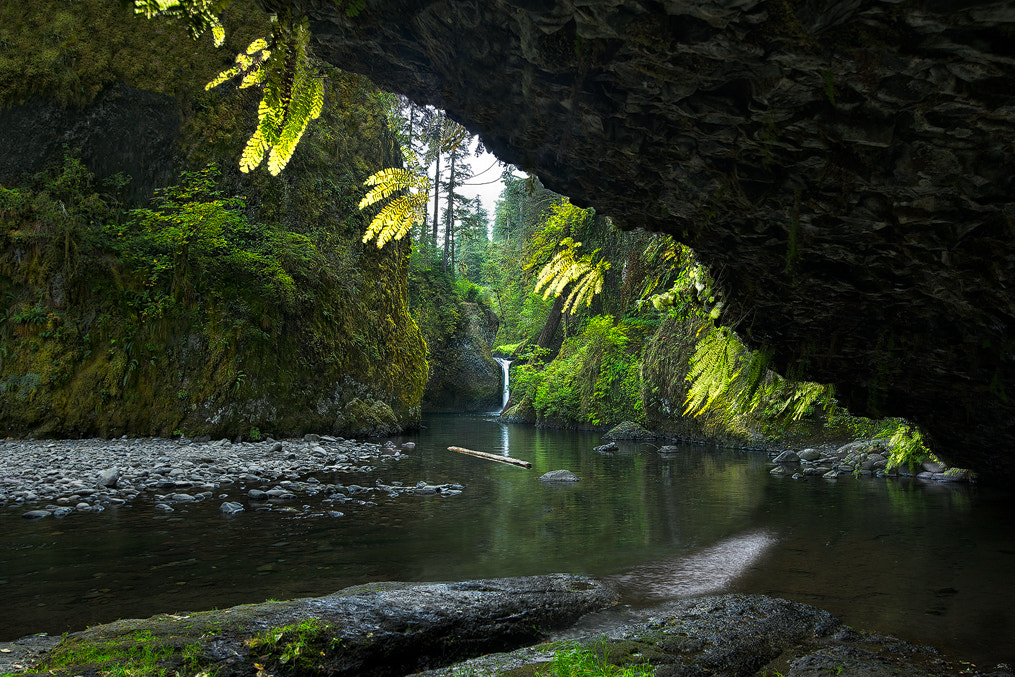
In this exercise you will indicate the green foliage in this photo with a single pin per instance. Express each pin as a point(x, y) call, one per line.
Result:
point(591, 661)
point(583, 274)
point(197, 15)
point(193, 234)
point(595, 379)
point(296, 648)
point(728, 379)
point(907, 446)
point(405, 210)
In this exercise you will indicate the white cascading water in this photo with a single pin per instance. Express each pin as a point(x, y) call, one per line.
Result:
point(505, 367)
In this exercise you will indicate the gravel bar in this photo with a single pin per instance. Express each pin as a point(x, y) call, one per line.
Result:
point(54, 478)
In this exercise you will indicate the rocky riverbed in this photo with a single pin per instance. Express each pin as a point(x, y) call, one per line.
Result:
point(54, 478)
point(863, 458)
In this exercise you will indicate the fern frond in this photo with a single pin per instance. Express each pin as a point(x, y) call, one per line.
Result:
point(253, 153)
point(198, 15)
point(389, 181)
point(404, 211)
point(397, 217)
point(713, 368)
point(565, 269)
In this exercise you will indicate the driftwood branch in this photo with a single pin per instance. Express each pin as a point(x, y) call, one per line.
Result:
point(492, 457)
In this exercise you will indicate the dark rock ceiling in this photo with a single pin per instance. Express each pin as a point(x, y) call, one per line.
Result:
point(844, 167)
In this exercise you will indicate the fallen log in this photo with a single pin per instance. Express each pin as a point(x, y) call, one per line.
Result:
point(492, 457)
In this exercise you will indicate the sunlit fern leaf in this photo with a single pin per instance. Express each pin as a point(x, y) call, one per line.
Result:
point(396, 218)
point(564, 269)
point(713, 368)
point(293, 94)
point(253, 153)
point(197, 15)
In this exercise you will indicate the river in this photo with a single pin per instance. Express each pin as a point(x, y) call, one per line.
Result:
point(929, 563)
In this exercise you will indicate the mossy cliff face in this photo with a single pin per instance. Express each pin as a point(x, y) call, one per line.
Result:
point(463, 375)
point(292, 325)
point(459, 337)
point(844, 169)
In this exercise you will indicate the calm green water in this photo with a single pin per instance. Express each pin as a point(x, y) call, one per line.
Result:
point(930, 564)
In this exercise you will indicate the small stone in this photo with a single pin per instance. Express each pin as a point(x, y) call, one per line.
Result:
point(311, 437)
point(809, 455)
point(36, 514)
point(787, 457)
point(257, 495)
point(934, 467)
point(335, 513)
point(668, 450)
point(780, 471)
point(559, 476)
point(281, 494)
point(275, 448)
point(83, 507)
point(606, 448)
point(408, 446)
point(182, 498)
point(231, 507)
point(163, 507)
point(60, 513)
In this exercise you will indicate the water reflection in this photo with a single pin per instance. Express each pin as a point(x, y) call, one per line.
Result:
point(709, 570)
point(929, 564)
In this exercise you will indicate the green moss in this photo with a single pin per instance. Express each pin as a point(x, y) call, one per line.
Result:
point(296, 649)
point(139, 654)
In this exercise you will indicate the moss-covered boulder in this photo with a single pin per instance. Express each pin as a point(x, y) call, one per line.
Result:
point(379, 629)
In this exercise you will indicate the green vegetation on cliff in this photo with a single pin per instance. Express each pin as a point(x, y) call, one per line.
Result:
point(229, 302)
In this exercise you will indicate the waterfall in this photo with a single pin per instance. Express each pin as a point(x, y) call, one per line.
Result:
point(505, 366)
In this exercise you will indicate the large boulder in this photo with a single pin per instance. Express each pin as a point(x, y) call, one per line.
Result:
point(376, 629)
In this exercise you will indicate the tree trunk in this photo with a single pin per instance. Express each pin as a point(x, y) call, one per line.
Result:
point(552, 323)
point(436, 197)
point(449, 214)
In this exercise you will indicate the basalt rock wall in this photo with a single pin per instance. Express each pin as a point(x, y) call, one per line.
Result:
point(845, 168)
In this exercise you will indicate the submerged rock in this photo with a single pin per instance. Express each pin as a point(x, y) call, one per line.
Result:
point(559, 476)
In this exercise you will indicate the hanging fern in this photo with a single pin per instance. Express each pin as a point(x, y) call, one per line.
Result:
point(407, 209)
point(293, 93)
point(564, 269)
point(729, 380)
point(713, 369)
point(198, 15)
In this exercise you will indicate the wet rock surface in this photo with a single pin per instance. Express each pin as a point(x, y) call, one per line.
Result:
point(54, 478)
point(374, 629)
point(845, 168)
point(728, 635)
